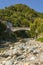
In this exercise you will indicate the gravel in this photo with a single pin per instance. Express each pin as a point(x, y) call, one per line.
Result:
point(28, 53)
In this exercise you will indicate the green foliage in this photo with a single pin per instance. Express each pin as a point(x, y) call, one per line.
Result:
point(36, 27)
point(2, 28)
point(22, 16)
point(19, 15)
point(40, 39)
point(32, 30)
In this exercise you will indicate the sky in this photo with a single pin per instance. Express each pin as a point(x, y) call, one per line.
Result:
point(34, 4)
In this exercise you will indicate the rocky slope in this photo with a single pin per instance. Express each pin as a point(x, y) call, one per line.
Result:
point(24, 52)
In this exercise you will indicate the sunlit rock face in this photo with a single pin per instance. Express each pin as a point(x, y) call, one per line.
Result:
point(29, 52)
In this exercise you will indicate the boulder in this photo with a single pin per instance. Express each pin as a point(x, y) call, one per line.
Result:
point(9, 62)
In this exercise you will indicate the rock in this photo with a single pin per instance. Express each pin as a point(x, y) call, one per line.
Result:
point(3, 62)
point(5, 55)
point(0, 64)
point(21, 57)
point(32, 58)
point(26, 64)
point(37, 63)
point(8, 52)
point(35, 52)
point(41, 57)
point(9, 62)
point(11, 48)
point(20, 53)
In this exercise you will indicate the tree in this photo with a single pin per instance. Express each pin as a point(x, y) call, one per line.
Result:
point(36, 27)
point(2, 27)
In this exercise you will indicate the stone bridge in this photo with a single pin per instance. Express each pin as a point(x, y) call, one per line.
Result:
point(14, 29)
